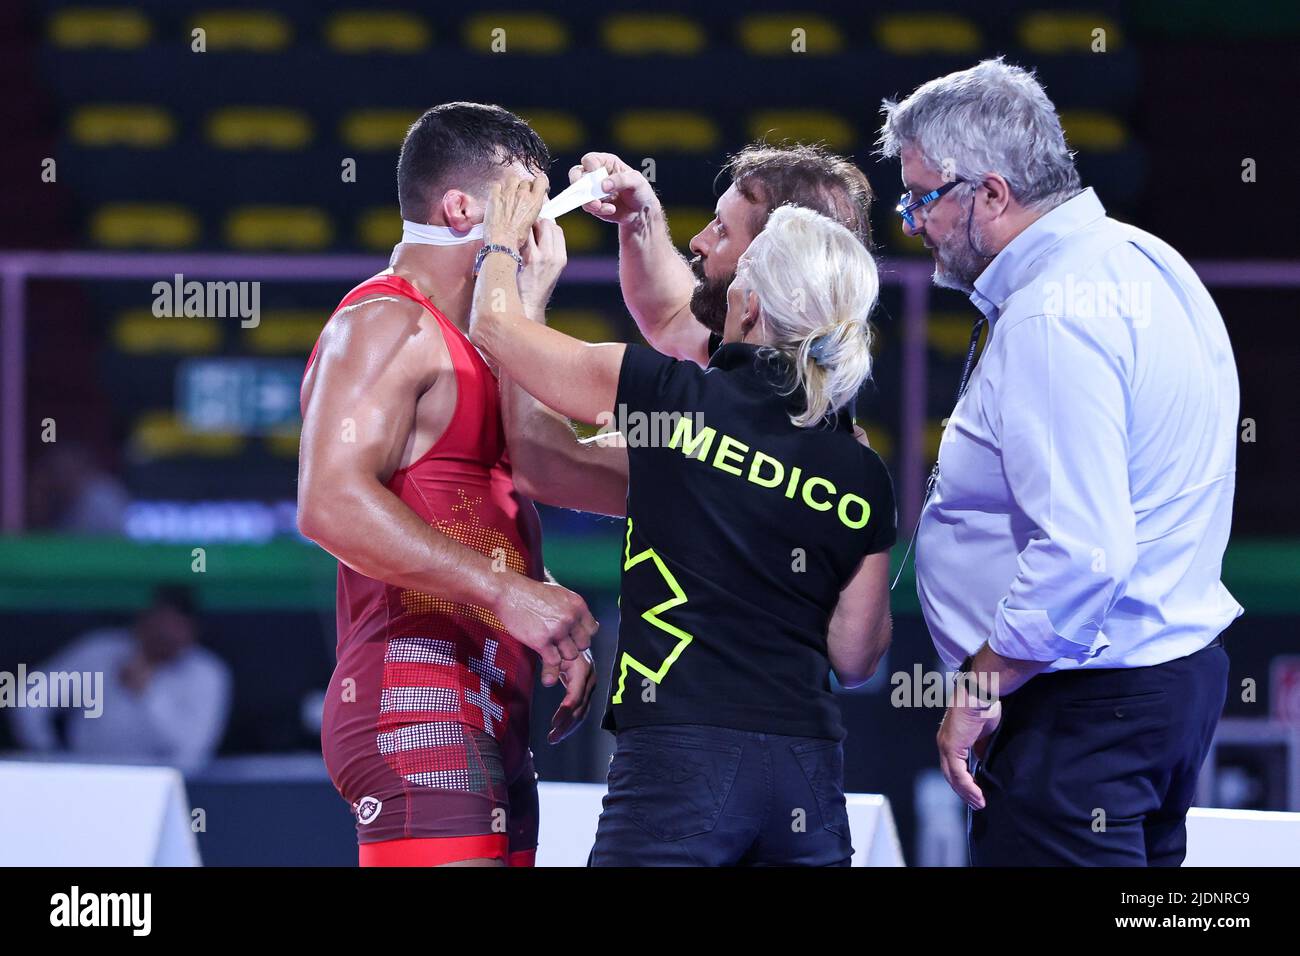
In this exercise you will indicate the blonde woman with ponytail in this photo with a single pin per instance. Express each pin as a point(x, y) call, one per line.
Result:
point(756, 552)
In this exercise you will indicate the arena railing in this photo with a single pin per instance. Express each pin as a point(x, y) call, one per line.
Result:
point(17, 269)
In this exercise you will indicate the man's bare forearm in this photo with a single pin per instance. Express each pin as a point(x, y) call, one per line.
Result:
point(656, 281)
point(552, 466)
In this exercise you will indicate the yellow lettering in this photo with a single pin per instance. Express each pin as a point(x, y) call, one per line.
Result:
point(864, 511)
point(685, 434)
point(725, 451)
point(795, 472)
point(759, 460)
point(807, 494)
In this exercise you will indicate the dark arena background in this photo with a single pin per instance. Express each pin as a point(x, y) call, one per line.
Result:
point(256, 143)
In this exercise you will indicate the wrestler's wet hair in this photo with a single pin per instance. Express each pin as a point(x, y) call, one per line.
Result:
point(461, 146)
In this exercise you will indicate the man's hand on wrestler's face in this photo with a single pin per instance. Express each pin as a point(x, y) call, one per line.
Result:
point(544, 259)
point(629, 192)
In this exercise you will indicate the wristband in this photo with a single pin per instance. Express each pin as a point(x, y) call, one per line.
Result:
point(491, 247)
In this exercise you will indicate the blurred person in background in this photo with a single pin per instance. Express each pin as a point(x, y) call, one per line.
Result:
point(165, 698)
point(69, 492)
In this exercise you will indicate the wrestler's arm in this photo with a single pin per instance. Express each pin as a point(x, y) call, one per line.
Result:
point(550, 464)
point(655, 278)
point(373, 362)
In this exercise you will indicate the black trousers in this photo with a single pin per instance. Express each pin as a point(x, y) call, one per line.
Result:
point(1098, 768)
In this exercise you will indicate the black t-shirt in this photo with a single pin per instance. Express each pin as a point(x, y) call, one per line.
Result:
point(742, 529)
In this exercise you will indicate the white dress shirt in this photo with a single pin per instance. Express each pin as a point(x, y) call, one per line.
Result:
point(1086, 476)
point(177, 719)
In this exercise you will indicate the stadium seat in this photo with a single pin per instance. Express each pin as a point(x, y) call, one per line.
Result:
point(880, 438)
point(590, 325)
point(948, 333)
point(254, 127)
point(251, 31)
point(686, 221)
point(1093, 131)
point(379, 228)
point(774, 34)
point(160, 434)
point(804, 126)
point(376, 129)
point(562, 132)
point(649, 132)
point(279, 227)
point(130, 125)
point(652, 34)
point(160, 225)
point(287, 331)
point(140, 332)
point(81, 28)
point(583, 233)
point(283, 444)
point(912, 34)
point(529, 33)
point(377, 31)
point(1054, 32)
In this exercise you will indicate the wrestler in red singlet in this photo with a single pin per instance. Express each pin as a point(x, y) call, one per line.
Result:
point(425, 728)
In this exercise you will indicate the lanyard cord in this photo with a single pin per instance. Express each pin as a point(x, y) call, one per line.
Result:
point(966, 371)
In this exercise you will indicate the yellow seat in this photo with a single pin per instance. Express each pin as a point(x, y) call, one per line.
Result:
point(589, 325)
point(1093, 131)
point(530, 33)
point(140, 332)
point(287, 331)
point(880, 438)
point(650, 34)
point(933, 436)
point(129, 224)
point(562, 132)
point(376, 129)
point(909, 34)
point(256, 127)
point(655, 131)
point(379, 228)
point(804, 126)
point(81, 28)
point(948, 333)
point(584, 233)
point(774, 34)
point(685, 222)
point(254, 31)
point(283, 443)
point(161, 434)
point(378, 31)
point(133, 126)
point(1055, 32)
point(279, 227)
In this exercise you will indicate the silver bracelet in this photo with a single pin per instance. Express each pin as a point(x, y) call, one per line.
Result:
point(491, 247)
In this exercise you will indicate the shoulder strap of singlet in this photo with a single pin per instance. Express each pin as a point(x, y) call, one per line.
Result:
point(465, 358)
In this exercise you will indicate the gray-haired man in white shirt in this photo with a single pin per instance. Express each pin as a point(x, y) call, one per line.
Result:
point(1068, 558)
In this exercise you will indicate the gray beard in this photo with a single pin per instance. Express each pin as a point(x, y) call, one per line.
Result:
point(958, 266)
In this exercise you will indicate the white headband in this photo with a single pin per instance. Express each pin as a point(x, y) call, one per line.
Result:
point(438, 235)
point(580, 193)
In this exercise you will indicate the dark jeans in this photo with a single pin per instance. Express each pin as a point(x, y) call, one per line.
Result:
point(691, 795)
point(1098, 768)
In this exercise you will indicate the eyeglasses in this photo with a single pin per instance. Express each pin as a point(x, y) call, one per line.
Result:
point(906, 205)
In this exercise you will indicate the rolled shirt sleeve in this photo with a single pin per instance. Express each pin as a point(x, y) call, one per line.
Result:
point(1064, 442)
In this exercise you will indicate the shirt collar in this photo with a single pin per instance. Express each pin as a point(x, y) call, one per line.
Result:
point(771, 373)
point(1006, 273)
